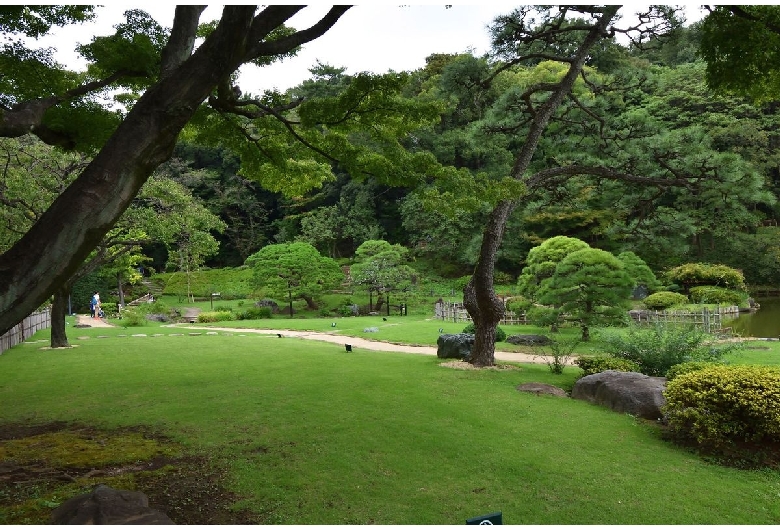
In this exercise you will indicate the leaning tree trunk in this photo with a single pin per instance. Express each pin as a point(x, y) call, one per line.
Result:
point(310, 303)
point(479, 298)
point(59, 308)
point(485, 308)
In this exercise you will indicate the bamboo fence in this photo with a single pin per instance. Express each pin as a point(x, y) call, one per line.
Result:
point(25, 329)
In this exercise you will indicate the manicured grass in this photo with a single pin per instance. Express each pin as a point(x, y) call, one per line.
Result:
point(313, 435)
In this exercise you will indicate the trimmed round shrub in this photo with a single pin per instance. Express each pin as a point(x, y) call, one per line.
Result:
point(664, 300)
point(724, 406)
point(596, 365)
point(215, 316)
point(691, 274)
point(710, 294)
point(691, 366)
point(500, 333)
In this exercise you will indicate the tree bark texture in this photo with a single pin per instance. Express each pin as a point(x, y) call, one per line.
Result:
point(52, 250)
point(479, 297)
point(59, 309)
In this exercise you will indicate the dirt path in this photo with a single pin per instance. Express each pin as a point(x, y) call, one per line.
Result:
point(86, 320)
point(358, 343)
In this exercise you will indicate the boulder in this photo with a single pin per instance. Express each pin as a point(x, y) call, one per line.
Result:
point(455, 346)
point(629, 392)
point(542, 388)
point(528, 340)
point(267, 302)
point(106, 505)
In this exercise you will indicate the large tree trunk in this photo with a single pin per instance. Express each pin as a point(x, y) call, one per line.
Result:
point(310, 303)
point(479, 298)
point(485, 308)
point(52, 250)
point(120, 290)
point(59, 308)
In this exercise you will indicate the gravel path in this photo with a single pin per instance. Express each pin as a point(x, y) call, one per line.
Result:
point(86, 320)
point(358, 343)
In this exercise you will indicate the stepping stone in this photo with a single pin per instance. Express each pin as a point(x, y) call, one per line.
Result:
point(139, 335)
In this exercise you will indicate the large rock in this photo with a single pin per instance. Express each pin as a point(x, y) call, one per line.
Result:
point(528, 340)
point(108, 506)
point(628, 392)
point(455, 346)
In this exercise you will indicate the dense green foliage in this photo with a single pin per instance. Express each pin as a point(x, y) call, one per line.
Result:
point(710, 294)
point(657, 348)
point(589, 287)
point(724, 407)
point(694, 274)
point(664, 300)
point(500, 333)
point(293, 270)
point(690, 366)
point(596, 365)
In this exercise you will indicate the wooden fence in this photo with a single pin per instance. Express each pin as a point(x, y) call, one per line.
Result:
point(455, 312)
point(25, 329)
point(709, 320)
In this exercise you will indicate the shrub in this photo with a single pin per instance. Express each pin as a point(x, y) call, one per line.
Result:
point(691, 274)
point(596, 365)
point(215, 316)
point(657, 348)
point(255, 313)
point(518, 304)
point(132, 317)
point(664, 300)
point(500, 333)
point(223, 308)
point(684, 368)
point(709, 294)
point(559, 354)
point(720, 406)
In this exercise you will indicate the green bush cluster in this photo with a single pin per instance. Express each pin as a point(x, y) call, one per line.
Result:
point(721, 406)
point(596, 365)
point(710, 294)
point(500, 333)
point(133, 317)
point(254, 313)
point(690, 274)
point(215, 316)
point(664, 300)
point(657, 348)
point(691, 366)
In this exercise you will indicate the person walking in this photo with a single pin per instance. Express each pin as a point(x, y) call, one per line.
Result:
point(96, 305)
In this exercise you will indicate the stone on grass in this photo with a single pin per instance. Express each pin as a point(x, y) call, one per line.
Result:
point(528, 340)
point(542, 388)
point(628, 392)
point(106, 505)
point(370, 330)
point(455, 346)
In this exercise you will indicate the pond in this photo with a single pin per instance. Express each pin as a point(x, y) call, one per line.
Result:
point(763, 323)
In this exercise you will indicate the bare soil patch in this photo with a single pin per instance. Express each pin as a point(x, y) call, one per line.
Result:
point(43, 465)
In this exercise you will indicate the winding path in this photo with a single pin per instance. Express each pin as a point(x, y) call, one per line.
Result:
point(374, 345)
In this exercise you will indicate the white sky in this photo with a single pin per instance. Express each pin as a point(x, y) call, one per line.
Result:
point(373, 37)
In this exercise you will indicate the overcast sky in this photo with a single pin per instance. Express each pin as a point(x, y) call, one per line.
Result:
point(373, 37)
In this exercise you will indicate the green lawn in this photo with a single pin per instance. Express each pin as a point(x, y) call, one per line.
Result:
point(314, 435)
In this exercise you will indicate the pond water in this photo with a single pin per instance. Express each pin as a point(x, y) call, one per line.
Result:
point(762, 323)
